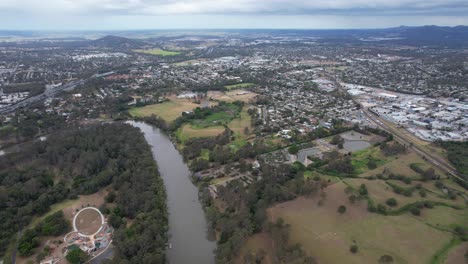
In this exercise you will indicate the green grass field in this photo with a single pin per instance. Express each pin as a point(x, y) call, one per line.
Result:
point(169, 111)
point(360, 159)
point(239, 85)
point(158, 52)
point(209, 127)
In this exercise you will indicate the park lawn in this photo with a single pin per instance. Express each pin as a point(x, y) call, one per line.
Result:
point(360, 158)
point(221, 118)
point(238, 125)
point(239, 85)
point(327, 236)
point(157, 52)
point(169, 111)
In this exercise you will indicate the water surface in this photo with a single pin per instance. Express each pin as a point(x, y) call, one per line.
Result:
point(187, 223)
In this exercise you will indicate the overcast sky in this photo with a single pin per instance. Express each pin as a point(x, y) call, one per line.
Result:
point(192, 14)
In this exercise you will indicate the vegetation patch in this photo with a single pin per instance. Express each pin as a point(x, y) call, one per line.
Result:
point(239, 85)
point(158, 52)
point(367, 159)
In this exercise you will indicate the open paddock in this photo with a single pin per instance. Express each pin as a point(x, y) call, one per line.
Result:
point(327, 235)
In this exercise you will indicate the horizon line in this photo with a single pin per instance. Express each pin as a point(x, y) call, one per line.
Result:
point(212, 29)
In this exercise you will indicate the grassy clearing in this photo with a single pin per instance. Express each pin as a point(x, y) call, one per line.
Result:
point(457, 254)
point(361, 158)
point(157, 52)
point(239, 85)
point(69, 207)
point(441, 254)
point(327, 235)
point(255, 244)
point(188, 131)
point(238, 125)
point(401, 166)
point(169, 111)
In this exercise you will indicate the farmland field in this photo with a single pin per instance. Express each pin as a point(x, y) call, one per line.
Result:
point(158, 52)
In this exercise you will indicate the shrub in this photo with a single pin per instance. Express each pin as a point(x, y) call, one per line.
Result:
point(342, 209)
point(354, 249)
point(363, 190)
point(381, 209)
point(385, 259)
point(294, 149)
point(391, 202)
point(110, 197)
point(415, 211)
point(76, 256)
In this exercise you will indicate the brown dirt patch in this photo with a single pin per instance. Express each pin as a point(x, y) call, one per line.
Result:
point(88, 221)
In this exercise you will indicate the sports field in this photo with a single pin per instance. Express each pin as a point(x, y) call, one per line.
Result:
point(158, 52)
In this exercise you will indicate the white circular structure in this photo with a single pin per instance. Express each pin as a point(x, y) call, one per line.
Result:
point(78, 221)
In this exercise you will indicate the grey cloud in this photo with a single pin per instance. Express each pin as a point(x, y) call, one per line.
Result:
point(236, 7)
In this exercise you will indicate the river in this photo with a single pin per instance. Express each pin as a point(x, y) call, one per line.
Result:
point(187, 222)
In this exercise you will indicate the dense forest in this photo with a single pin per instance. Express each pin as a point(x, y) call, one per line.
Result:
point(83, 161)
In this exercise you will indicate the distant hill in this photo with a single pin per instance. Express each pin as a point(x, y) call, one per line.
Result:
point(435, 36)
point(116, 42)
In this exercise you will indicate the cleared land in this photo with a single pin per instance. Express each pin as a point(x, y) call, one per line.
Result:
point(158, 52)
point(188, 131)
point(327, 235)
point(256, 244)
point(232, 96)
point(88, 221)
point(169, 111)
